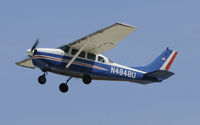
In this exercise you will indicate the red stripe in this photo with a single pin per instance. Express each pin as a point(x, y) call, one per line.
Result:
point(65, 60)
point(170, 62)
point(50, 58)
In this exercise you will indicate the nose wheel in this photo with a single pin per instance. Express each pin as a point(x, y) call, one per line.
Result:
point(64, 87)
point(42, 78)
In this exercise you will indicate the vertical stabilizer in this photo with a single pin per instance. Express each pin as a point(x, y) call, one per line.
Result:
point(162, 62)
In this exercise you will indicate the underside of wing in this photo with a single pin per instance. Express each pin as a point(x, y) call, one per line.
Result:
point(103, 40)
point(26, 63)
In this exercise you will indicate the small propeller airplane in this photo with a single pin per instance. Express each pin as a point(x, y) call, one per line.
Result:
point(83, 59)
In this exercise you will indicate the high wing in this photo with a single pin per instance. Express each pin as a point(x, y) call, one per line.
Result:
point(26, 63)
point(103, 40)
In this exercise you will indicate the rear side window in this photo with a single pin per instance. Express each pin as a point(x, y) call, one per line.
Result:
point(91, 56)
point(101, 59)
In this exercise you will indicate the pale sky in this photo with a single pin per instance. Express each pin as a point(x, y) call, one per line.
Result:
point(173, 23)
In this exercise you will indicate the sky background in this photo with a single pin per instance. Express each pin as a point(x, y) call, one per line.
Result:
point(173, 23)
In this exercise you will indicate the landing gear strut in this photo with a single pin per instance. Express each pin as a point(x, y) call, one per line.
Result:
point(42, 78)
point(64, 87)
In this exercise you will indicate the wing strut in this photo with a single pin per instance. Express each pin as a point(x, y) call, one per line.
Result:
point(76, 55)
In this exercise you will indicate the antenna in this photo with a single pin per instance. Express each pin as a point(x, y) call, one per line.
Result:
point(167, 48)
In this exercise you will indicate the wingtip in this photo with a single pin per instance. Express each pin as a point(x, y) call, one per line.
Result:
point(17, 63)
point(124, 24)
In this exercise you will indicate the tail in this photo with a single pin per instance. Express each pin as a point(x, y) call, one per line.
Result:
point(162, 62)
point(157, 70)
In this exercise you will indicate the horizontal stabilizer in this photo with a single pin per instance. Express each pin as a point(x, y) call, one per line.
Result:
point(26, 63)
point(158, 75)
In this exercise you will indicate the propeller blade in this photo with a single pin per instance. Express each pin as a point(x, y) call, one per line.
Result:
point(35, 44)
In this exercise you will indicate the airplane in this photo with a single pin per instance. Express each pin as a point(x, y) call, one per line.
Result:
point(83, 59)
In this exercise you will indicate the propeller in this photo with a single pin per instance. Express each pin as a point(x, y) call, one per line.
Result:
point(35, 44)
point(31, 52)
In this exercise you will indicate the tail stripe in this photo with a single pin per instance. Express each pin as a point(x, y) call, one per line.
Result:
point(169, 61)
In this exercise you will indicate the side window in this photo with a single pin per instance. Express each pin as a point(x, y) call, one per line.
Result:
point(82, 54)
point(91, 56)
point(101, 59)
point(74, 51)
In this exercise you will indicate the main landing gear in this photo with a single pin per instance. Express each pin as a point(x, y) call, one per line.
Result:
point(64, 87)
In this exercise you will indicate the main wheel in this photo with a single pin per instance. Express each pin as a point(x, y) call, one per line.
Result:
point(42, 79)
point(63, 87)
point(86, 79)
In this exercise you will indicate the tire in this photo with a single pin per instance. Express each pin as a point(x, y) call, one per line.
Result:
point(42, 79)
point(86, 79)
point(63, 87)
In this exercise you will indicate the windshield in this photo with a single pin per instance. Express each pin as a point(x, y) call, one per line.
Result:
point(65, 48)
